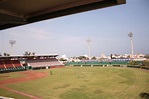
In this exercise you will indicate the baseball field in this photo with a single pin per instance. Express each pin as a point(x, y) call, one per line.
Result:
point(76, 83)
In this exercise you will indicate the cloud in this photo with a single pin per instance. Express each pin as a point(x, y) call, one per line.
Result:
point(38, 33)
point(31, 32)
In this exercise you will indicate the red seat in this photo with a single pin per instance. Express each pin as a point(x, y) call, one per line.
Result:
point(1, 65)
point(8, 63)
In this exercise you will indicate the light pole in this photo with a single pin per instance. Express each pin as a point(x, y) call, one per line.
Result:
point(131, 41)
point(11, 42)
point(89, 42)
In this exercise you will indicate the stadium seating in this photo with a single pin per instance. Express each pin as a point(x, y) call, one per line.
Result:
point(16, 63)
point(10, 66)
point(2, 65)
point(8, 63)
point(43, 63)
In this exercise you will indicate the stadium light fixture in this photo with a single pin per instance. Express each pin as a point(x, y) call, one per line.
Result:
point(89, 43)
point(12, 42)
point(131, 41)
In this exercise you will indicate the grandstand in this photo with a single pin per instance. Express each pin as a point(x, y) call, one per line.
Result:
point(10, 65)
point(19, 63)
point(42, 63)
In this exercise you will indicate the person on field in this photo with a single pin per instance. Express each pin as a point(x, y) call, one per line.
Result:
point(50, 72)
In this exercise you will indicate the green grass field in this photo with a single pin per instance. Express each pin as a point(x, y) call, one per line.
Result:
point(85, 83)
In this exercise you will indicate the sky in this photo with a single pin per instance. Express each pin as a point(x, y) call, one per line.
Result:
point(107, 28)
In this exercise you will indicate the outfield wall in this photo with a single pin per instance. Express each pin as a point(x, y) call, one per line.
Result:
point(138, 64)
point(98, 63)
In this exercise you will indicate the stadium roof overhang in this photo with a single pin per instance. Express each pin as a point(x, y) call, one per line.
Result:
point(19, 12)
point(28, 57)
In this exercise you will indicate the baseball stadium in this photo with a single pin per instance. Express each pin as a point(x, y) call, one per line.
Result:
point(46, 77)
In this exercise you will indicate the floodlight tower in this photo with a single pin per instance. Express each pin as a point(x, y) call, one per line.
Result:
point(89, 42)
point(131, 41)
point(11, 42)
